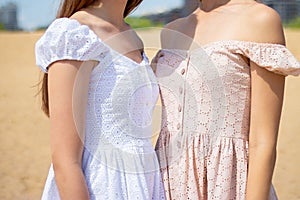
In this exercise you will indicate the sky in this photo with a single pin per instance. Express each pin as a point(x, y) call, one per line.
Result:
point(37, 13)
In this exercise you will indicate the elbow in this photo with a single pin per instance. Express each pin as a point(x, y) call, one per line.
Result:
point(65, 170)
point(262, 147)
point(64, 164)
point(263, 141)
point(267, 145)
point(263, 150)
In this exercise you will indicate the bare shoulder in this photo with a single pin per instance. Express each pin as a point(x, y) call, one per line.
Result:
point(100, 27)
point(176, 24)
point(81, 17)
point(265, 24)
point(172, 27)
point(85, 18)
point(173, 32)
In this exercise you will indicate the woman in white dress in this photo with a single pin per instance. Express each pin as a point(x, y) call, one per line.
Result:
point(99, 92)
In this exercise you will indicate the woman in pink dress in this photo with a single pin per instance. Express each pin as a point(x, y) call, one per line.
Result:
point(221, 72)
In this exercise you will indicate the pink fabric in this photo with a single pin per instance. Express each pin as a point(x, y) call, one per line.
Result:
point(205, 95)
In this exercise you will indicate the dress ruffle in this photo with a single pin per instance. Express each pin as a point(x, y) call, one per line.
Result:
point(273, 57)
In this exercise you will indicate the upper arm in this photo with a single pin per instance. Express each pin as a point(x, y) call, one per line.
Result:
point(267, 90)
point(66, 145)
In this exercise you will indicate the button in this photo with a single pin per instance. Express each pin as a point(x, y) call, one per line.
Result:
point(178, 126)
point(182, 71)
point(180, 90)
point(179, 108)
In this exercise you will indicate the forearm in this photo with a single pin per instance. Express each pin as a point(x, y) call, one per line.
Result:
point(260, 171)
point(71, 182)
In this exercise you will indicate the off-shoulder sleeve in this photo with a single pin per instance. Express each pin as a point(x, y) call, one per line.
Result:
point(67, 39)
point(273, 57)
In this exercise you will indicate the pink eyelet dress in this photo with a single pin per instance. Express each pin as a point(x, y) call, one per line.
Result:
point(205, 93)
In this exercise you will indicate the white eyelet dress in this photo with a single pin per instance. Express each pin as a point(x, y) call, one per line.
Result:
point(203, 144)
point(118, 160)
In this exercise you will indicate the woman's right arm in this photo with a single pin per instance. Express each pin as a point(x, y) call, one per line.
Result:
point(66, 145)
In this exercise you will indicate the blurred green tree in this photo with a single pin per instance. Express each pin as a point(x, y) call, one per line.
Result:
point(295, 23)
point(141, 22)
point(2, 27)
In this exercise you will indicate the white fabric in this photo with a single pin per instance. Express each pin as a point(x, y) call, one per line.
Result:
point(119, 161)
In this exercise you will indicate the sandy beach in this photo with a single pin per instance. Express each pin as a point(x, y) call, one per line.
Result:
point(24, 129)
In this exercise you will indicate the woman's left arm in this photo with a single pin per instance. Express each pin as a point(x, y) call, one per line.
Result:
point(267, 90)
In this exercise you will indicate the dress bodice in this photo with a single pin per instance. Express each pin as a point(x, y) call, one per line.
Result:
point(206, 98)
point(211, 84)
point(119, 161)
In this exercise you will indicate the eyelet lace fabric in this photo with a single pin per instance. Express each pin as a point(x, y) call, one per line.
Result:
point(118, 161)
point(203, 144)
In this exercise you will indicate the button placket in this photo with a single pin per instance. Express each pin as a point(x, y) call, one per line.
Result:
point(182, 94)
point(179, 107)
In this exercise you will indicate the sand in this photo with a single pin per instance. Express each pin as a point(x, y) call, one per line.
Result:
point(24, 130)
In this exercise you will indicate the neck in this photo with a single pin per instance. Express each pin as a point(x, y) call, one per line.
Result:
point(208, 5)
point(110, 11)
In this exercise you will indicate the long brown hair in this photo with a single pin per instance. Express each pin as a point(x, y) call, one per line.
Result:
point(67, 9)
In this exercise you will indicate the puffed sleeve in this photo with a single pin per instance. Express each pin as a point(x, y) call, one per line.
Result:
point(273, 57)
point(67, 39)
